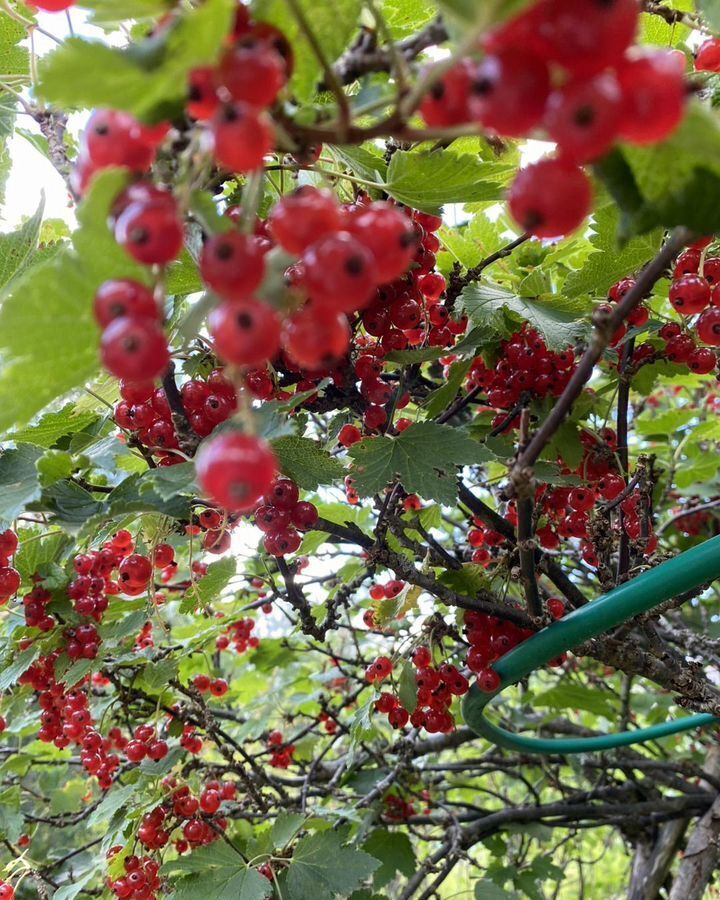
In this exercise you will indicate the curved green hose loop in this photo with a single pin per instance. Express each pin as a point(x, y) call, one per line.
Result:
point(683, 573)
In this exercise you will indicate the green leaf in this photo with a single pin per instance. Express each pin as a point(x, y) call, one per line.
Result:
point(211, 585)
point(216, 871)
point(110, 11)
point(488, 890)
point(424, 458)
point(440, 399)
point(285, 827)
point(10, 672)
point(71, 504)
point(169, 481)
point(156, 676)
point(577, 696)
point(19, 484)
point(11, 824)
point(71, 891)
point(54, 465)
point(306, 462)
point(560, 320)
point(112, 802)
point(407, 692)
point(395, 852)
point(38, 550)
point(427, 180)
point(361, 162)
point(609, 263)
point(48, 334)
point(321, 868)
point(468, 580)
point(664, 423)
point(670, 183)
point(333, 23)
point(14, 59)
point(148, 80)
point(52, 426)
point(18, 247)
point(405, 17)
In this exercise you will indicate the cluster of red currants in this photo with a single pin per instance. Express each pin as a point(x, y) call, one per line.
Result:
point(116, 139)
point(564, 70)
point(240, 635)
point(133, 345)
point(9, 577)
point(281, 754)
point(185, 809)
point(233, 96)
point(66, 719)
point(526, 369)
point(282, 515)
point(491, 638)
point(145, 744)
point(141, 880)
point(217, 687)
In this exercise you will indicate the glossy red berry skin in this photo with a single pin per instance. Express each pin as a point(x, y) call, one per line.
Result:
point(151, 233)
point(9, 581)
point(8, 543)
point(586, 36)
point(702, 361)
point(53, 5)
point(509, 92)
point(556, 607)
point(124, 297)
point(303, 217)
point(550, 198)
point(241, 137)
point(134, 349)
point(447, 102)
point(389, 235)
point(203, 101)
point(283, 494)
point(349, 435)
point(339, 272)
point(488, 680)
point(246, 333)
point(708, 327)
point(232, 265)
point(583, 116)
point(235, 470)
point(304, 516)
point(252, 73)
point(7, 891)
point(114, 138)
point(654, 96)
point(708, 56)
point(690, 295)
point(316, 337)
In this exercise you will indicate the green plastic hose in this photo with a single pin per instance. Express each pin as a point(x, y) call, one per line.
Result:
point(683, 573)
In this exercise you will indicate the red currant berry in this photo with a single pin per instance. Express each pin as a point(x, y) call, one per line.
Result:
point(134, 349)
point(509, 92)
point(124, 298)
point(707, 58)
point(583, 117)
point(702, 361)
point(488, 680)
point(708, 327)
point(550, 198)
point(316, 337)
point(246, 333)
point(339, 272)
point(654, 95)
point(232, 265)
point(301, 218)
point(235, 470)
point(389, 235)
point(253, 73)
point(690, 294)
point(241, 137)
point(152, 233)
